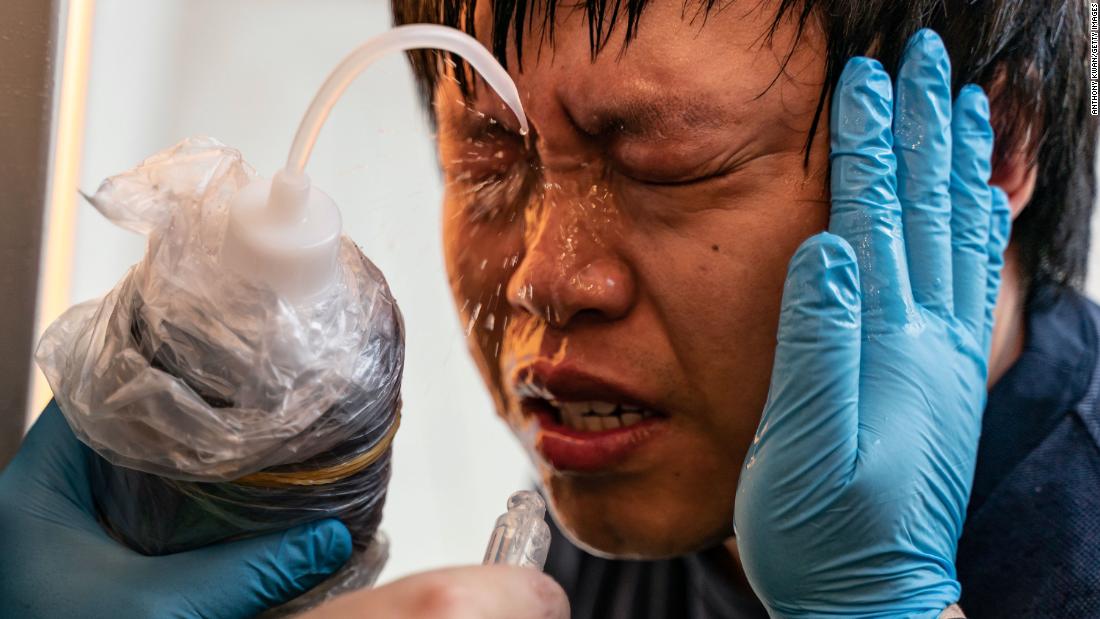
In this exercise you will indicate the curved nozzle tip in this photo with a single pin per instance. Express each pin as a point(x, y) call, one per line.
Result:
point(508, 93)
point(483, 62)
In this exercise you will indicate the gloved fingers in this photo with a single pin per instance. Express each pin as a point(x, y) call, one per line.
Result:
point(816, 369)
point(55, 461)
point(999, 232)
point(865, 208)
point(971, 204)
point(252, 575)
point(922, 145)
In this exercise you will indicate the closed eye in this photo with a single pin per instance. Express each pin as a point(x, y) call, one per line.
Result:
point(684, 182)
point(678, 164)
point(700, 175)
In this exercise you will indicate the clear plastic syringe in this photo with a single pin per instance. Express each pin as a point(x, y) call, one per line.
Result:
point(521, 535)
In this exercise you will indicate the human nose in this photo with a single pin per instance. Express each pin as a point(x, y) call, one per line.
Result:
point(570, 269)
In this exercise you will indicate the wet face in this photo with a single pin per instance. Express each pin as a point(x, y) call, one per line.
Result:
point(620, 269)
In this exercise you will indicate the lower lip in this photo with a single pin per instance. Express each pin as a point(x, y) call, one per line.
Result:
point(567, 449)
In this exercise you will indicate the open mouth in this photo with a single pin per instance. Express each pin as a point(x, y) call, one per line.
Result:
point(591, 415)
point(588, 436)
point(585, 423)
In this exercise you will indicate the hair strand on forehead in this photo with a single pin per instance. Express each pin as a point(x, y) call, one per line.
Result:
point(1031, 57)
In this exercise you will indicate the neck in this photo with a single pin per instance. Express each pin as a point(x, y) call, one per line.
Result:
point(1008, 319)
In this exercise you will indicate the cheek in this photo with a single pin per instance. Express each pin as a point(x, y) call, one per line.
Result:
point(480, 259)
point(716, 278)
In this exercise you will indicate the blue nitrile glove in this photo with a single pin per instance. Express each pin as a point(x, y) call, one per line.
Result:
point(57, 562)
point(852, 498)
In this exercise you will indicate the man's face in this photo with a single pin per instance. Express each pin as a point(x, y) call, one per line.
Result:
point(620, 269)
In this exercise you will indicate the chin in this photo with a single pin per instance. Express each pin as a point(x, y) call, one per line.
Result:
point(625, 519)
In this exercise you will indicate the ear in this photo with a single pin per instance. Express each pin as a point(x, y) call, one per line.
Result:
point(1015, 174)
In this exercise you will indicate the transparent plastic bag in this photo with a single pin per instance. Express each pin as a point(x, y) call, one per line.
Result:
point(220, 409)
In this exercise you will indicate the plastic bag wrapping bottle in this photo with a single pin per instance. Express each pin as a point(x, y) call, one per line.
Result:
point(245, 375)
point(217, 407)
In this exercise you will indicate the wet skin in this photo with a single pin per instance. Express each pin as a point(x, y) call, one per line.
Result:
point(634, 249)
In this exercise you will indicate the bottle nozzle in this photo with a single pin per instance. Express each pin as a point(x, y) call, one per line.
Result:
point(284, 231)
point(289, 196)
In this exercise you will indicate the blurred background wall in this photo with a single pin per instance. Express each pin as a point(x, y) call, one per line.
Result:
point(243, 71)
point(28, 45)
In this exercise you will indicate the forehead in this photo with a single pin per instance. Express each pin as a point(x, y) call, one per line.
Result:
point(680, 60)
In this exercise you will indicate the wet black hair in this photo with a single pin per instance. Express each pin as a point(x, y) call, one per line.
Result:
point(1031, 56)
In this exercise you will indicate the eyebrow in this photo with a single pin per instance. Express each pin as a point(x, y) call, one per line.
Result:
point(639, 117)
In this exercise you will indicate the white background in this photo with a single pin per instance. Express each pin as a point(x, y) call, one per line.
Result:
point(243, 71)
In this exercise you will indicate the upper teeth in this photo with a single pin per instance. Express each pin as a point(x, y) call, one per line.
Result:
point(594, 415)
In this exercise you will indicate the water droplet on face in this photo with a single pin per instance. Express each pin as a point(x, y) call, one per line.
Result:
point(473, 319)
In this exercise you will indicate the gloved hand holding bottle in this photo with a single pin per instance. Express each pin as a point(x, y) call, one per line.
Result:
point(57, 560)
point(852, 497)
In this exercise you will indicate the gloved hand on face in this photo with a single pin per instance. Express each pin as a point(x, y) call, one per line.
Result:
point(852, 497)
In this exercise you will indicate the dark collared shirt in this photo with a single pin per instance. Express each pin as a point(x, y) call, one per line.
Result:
point(1031, 542)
